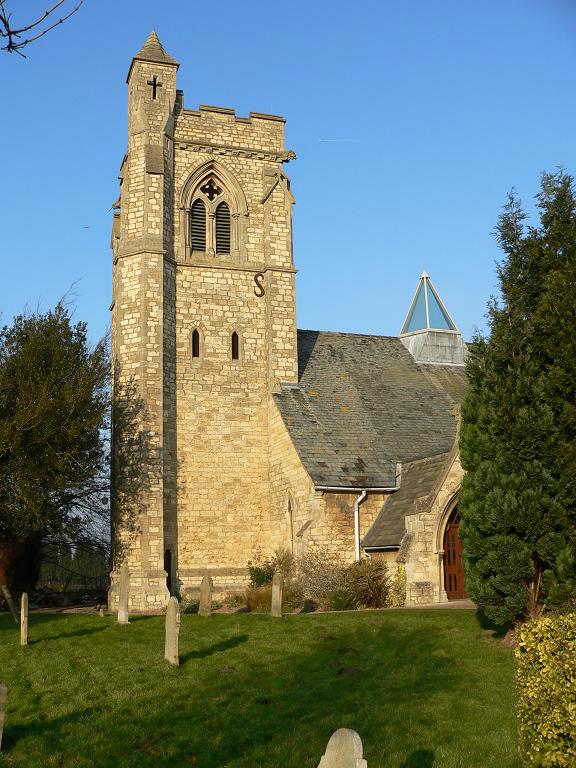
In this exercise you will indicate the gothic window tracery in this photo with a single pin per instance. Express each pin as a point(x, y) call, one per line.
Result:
point(210, 219)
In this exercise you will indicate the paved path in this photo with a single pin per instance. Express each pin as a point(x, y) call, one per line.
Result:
point(451, 604)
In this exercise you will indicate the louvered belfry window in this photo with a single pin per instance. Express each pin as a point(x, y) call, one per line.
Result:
point(198, 226)
point(223, 228)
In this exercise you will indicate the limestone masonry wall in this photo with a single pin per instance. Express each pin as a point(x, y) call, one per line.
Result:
point(424, 534)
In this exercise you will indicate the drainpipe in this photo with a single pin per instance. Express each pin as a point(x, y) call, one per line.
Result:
point(360, 499)
point(357, 503)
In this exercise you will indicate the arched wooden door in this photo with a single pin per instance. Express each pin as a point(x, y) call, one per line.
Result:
point(453, 570)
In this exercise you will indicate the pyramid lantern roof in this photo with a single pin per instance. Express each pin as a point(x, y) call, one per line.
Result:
point(427, 311)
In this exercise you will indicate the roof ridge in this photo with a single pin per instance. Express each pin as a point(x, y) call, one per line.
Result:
point(347, 333)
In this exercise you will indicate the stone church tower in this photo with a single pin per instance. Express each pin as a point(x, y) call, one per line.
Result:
point(234, 433)
point(203, 331)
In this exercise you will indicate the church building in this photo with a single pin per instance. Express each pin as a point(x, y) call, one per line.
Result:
point(234, 433)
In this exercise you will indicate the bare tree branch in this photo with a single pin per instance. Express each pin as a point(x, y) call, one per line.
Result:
point(12, 35)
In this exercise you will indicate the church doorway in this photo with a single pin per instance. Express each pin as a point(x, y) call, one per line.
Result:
point(453, 569)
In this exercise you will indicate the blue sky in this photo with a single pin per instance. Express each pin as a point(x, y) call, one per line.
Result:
point(411, 121)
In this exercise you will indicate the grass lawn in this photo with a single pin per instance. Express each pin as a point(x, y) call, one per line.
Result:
point(422, 688)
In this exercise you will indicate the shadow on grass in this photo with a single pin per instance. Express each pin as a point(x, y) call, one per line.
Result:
point(223, 645)
point(14, 733)
point(422, 758)
point(498, 630)
point(63, 635)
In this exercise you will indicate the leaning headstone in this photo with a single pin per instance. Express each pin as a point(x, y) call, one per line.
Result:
point(24, 619)
point(277, 590)
point(9, 602)
point(205, 607)
point(172, 632)
point(344, 750)
point(123, 592)
point(3, 697)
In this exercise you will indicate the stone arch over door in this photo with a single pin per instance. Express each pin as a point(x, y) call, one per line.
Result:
point(452, 583)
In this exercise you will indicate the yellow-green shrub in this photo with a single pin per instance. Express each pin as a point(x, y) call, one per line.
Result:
point(546, 680)
point(397, 598)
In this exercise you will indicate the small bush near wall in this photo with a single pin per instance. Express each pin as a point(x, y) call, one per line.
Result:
point(368, 583)
point(323, 580)
point(262, 570)
point(397, 597)
point(546, 680)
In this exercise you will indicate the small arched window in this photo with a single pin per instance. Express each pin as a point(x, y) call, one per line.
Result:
point(198, 226)
point(223, 228)
point(235, 346)
point(195, 343)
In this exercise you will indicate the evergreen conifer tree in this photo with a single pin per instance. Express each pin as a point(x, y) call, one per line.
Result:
point(518, 434)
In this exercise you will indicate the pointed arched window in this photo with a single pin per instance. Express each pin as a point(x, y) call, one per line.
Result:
point(195, 343)
point(235, 346)
point(198, 226)
point(223, 228)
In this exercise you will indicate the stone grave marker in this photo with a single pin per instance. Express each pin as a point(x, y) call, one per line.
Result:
point(172, 632)
point(24, 619)
point(3, 697)
point(123, 593)
point(344, 750)
point(205, 607)
point(277, 590)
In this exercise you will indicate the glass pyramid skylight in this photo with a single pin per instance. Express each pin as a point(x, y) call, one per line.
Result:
point(427, 312)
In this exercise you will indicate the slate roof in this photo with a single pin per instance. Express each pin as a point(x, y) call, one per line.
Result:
point(416, 493)
point(363, 404)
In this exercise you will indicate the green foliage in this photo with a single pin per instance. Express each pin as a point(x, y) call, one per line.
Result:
point(53, 408)
point(518, 435)
point(368, 583)
point(261, 573)
point(262, 569)
point(397, 598)
point(546, 679)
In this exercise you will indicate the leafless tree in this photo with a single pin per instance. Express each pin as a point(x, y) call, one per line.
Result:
point(15, 36)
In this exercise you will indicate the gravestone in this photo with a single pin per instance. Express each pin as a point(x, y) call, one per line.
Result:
point(172, 632)
point(344, 750)
point(123, 592)
point(277, 590)
point(3, 697)
point(205, 607)
point(24, 619)
point(101, 612)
